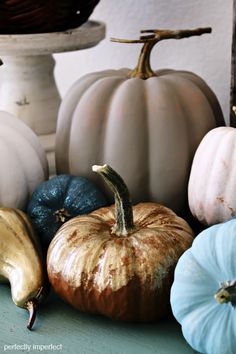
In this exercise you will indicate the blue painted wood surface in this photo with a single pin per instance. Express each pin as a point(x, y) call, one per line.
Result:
point(73, 332)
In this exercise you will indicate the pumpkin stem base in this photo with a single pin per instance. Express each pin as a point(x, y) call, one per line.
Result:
point(62, 215)
point(227, 293)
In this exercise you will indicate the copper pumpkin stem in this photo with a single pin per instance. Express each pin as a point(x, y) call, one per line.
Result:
point(31, 307)
point(143, 69)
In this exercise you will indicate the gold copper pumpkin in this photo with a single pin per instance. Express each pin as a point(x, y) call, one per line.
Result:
point(119, 264)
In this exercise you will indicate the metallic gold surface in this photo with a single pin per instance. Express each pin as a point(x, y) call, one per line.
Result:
point(20, 259)
point(123, 277)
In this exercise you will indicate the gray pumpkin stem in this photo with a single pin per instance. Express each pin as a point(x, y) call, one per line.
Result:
point(143, 68)
point(123, 206)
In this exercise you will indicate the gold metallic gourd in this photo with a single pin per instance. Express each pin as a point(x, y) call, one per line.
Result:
point(118, 261)
point(20, 261)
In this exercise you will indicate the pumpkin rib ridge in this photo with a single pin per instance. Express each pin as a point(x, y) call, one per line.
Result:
point(163, 86)
point(27, 176)
point(106, 120)
point(63, 131)
point(193, 193)
point(188, 127)
point(206, 90)
point(148, 107)
point(210, 177)
point(194, 84)
point(210, 245)
point(164, 72)
point(205, 319)
point(126, 89)
point(15, 153)
point(60, 186)
point(97, 260)
point(230, 186)
point(8, 138)
point(64, 127)
point(100, 117)
point(180, 278)
point(67, 185)
point(185, 112)
point(16, 124)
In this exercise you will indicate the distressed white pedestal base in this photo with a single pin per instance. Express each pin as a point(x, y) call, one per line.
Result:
point(28, 89)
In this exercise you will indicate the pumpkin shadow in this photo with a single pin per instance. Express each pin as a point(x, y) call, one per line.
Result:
point(165, 333)
point(196, 226)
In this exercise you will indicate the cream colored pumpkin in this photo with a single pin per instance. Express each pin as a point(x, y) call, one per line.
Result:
point(22, 160)
point(146, 124)
point(212, 182)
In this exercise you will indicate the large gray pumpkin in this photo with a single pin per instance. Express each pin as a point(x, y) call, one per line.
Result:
point(146, 124)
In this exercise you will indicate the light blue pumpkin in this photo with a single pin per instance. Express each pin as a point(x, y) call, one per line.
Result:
point(208, 320)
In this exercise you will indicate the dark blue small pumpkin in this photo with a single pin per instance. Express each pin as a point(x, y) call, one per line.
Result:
point(60, 199)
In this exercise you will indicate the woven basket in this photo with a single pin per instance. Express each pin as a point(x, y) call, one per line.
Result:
point(40, 16)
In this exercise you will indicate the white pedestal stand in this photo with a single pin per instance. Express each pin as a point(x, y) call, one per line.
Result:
point(28, 89)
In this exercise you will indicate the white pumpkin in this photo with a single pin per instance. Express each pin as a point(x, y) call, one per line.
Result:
point(23, 162)
point(212, 182)
point(145, 124)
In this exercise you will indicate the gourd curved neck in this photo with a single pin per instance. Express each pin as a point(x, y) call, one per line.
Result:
point(123, 208)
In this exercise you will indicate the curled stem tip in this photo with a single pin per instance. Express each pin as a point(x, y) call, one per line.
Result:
point(175, 34)
point(143, 68)
point(31, 307)
point(98, 168)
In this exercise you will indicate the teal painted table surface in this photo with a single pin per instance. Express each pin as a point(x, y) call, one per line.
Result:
point(59, 328)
